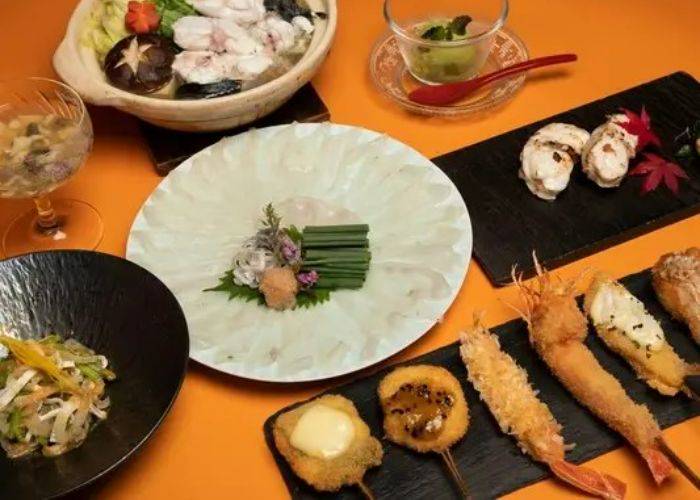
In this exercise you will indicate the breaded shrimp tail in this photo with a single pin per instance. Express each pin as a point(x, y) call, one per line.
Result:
point(504, 387)
point(557, 330)
point(589, 480)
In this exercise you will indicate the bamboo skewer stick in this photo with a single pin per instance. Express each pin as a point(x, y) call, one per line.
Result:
point(452, 467)
point(679, 463)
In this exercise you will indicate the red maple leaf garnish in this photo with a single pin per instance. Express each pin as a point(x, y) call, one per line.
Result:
point(639, 125)
point(656, 169)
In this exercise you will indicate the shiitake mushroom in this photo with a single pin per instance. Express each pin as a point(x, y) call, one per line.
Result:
point(208, 90)
point(141, 63)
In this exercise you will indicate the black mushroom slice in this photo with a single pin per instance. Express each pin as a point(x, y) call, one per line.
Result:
point(208, 90)
point(141, 63)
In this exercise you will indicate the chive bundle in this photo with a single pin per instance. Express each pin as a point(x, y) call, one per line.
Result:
point(339, 254)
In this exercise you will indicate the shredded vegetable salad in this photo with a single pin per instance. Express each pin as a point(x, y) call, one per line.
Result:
point(52, 391)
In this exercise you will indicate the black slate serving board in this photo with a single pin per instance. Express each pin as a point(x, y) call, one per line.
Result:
point(509, 222)
point(490, 461)
point(169, 148)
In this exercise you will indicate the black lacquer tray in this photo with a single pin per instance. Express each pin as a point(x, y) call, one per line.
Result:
point(490, 461)
point(509, 222)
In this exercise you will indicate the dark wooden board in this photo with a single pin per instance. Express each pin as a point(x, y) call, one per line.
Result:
point(509, 222)
point(169, 148)
point(490, 461)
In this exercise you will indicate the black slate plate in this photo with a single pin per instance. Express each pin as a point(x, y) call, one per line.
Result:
point(509, 222)
point(118, 309)
point(490, 461)
point(169, 148)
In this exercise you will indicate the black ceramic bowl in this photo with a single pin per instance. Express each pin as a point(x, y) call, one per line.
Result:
point(118, 309)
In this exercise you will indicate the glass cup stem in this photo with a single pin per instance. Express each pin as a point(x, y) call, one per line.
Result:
point(47, 220)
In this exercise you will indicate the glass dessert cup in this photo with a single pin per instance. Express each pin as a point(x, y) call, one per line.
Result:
point(445, 41)
point(45, 137)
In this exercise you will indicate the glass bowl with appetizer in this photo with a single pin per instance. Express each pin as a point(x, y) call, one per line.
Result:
point(195, 65)
point(45, 138)
point(441, 42)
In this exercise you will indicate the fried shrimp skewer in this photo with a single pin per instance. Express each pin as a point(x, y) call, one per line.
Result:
point(676, 280)
point(504, 387)
point(623, 323)
point(557, 330)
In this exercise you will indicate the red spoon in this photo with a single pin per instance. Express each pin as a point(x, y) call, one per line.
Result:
point(439, 95)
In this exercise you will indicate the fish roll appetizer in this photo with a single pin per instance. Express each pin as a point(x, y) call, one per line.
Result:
point(425, 410)
point(607, 154)
point(623, 323)
point(327, 444)
point(676, 279)
point(557, 330)
point(504, 387)
point(549, 157)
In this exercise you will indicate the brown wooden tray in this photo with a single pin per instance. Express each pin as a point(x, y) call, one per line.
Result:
point(169, 148)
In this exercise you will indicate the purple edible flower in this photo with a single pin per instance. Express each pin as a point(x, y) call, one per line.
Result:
point(308, 279)
point(290, 251)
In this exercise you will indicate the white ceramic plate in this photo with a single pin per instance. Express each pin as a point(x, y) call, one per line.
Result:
point(420, 237)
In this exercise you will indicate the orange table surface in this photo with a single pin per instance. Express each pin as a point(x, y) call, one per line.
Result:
point(211, 445)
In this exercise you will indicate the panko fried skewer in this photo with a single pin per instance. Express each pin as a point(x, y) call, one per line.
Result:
point(557, 329)
point(623, 323)
point(327, 444)
point(425, 410)
point(676, 280)
point(504, 387)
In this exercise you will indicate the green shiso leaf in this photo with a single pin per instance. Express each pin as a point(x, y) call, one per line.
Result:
point(226, 284)
point(305, 298)
point(312, 297)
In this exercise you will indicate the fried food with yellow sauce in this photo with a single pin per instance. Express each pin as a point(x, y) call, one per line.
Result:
point(424, 408)
point(623, 323)
point(557, 329)
point(504, 387)
point(676, 280)
point(326, 443)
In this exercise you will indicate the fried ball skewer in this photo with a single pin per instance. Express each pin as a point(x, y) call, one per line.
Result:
point(557, 329)
point(327, 444)
point(425, 410)
point(676, 280)
point(622, 322)
point(504, 387)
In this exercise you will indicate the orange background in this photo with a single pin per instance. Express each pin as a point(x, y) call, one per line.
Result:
point(211, 445)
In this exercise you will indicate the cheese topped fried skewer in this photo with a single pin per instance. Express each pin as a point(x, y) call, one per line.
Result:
point(623, 323)
point(327, 444)
point(676, 279)
point(504, 387)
